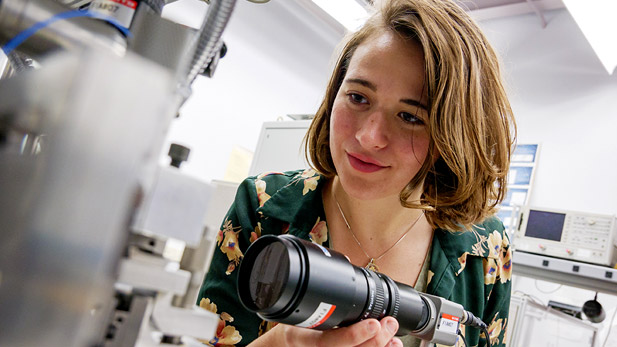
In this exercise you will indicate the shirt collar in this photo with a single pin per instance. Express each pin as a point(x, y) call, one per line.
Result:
point(299, 202)
point(482, 240)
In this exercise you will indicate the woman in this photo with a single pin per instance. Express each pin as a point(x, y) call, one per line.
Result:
point(410, 148)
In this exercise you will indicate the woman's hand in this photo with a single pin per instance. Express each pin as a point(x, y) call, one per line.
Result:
point(366, 333)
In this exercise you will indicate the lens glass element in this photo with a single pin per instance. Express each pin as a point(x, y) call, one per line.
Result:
point(269, 275)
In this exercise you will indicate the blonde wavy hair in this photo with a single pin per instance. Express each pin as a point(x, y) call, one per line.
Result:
point(470, 121)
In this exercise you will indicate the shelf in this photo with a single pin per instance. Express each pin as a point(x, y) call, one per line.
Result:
point(582, 275)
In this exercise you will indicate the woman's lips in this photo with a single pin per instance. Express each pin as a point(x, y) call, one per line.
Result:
point(364, 164)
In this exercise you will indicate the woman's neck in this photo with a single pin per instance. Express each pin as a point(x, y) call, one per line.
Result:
point(380, 221)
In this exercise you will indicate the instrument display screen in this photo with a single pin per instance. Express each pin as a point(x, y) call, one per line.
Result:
point(545, 225)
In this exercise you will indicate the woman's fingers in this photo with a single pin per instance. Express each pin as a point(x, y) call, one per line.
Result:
point(366, 333)
point(385, 335)
point(353, 335)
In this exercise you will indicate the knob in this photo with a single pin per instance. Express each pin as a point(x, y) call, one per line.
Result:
point(570, 252)
point(542, 247)
point(178, 154)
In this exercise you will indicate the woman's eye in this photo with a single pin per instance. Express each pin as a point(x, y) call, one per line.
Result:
point(410, 118)
point(357, 98)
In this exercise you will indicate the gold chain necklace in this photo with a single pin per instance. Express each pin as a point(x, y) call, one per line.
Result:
point(371, 264)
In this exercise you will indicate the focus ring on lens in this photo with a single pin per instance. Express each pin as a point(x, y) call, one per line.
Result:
point(378, 307)
point(395, 297)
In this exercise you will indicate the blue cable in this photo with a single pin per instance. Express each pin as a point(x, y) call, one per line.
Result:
point(24, 35)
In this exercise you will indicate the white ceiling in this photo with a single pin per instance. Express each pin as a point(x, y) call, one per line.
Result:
point(488, 9)
point(478, 9)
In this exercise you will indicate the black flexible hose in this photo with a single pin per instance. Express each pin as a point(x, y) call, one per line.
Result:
point(219, 12)
point(156, 5)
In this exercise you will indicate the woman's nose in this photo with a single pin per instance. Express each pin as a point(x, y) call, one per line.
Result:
point(372, 133)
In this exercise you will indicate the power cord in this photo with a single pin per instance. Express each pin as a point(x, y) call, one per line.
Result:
point(470, 320)
point(531, 297)
point(488, 337)
point(462, 337)
point(24, 35)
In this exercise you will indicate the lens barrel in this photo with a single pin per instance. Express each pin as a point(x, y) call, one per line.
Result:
point(293, 281)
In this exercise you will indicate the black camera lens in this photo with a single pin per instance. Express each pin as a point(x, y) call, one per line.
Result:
point(294, 281)
point(269, 276)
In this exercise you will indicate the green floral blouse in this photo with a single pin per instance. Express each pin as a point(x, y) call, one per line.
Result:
point(472, 268)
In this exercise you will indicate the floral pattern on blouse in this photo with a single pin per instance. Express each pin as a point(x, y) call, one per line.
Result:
point(505, 257)
point(226, 335)
point(319, 232)
point(260, 186)
point(256, 233)
point(261, 192)
point(310, 178)
point(495, 329)
point(291, 202)
point(227, 240)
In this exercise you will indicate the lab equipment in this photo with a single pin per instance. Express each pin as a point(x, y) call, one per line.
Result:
point(280, 147)
point(593, 310)
point(290, 280)
point(87, 217)
point(67, 204)
point(573, 273)
point(572, 235)
point(533, 324)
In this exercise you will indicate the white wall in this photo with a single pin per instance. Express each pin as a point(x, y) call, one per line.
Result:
point(274, 66)
point(564, 99)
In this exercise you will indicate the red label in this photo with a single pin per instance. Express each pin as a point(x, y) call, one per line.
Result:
point(128, 3)
point(325, 318)
point(450, 317)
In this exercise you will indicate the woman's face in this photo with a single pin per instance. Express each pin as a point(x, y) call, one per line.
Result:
point(378, 136)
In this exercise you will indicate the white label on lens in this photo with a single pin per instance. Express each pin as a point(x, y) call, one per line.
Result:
point(448, 323)
point(121, 10)
point(321, 314)
point(325, 250)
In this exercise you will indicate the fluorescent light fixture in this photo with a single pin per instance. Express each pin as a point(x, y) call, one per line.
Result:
point(596, 18)
point(347, 12)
